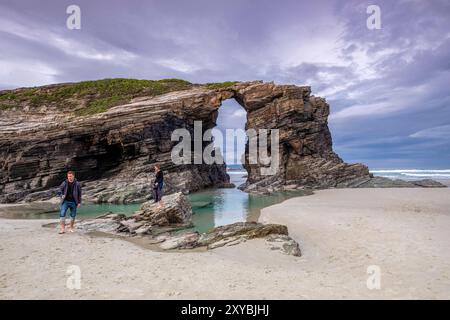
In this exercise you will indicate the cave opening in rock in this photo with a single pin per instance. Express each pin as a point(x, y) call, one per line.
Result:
point(229, 135)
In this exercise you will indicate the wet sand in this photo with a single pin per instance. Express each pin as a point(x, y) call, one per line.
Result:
point(341, 232)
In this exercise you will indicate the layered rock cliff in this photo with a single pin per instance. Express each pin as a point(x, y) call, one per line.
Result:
point(112, 133)
point(112, 152)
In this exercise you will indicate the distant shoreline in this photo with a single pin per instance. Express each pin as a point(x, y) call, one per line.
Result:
point(440, 175)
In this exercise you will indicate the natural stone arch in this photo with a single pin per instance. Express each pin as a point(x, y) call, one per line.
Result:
point(33, 160)
point(306, 154)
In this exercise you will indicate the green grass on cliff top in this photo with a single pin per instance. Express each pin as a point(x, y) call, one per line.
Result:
point(221, 85)
point(92, 97)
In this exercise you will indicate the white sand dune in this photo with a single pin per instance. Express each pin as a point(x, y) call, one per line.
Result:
point(341, 232)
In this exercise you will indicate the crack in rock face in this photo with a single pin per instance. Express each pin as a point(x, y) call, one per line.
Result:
point(113, 151)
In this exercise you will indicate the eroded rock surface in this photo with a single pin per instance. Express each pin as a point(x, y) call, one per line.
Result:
point(113, 152)
point(176, 211)
point(169, 228)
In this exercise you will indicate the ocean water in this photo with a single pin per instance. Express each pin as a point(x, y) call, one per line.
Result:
point(413, 174)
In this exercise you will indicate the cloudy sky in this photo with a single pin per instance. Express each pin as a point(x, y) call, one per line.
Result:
point(389, 89)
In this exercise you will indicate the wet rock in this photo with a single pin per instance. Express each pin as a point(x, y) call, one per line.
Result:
point(183, 241)
point(239, 231)
point(130, 225)
point(176, 210)
point(112, 216)
point(285, 244)
point(228, 241)
point(106, 225)
point(144, 229)
point(428, 183)
point(383, 182)
point(234, 234)
point(175, 214)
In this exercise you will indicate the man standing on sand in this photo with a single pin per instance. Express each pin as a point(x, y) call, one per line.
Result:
point(70, 194)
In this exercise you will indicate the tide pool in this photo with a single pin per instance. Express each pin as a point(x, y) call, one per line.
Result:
point(212, 207)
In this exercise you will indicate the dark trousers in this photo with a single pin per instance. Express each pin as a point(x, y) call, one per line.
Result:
point(157, 194)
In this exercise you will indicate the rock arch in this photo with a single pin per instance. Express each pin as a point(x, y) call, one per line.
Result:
point(306, 154)
point(36, 148)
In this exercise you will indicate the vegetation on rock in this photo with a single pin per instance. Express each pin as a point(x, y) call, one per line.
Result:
point(221, 85)
point(89, 97)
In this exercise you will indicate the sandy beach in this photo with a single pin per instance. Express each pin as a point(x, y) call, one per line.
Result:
point(404, 232)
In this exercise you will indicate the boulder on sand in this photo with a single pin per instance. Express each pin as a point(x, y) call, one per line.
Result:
point(176, 211)
point(242, 230)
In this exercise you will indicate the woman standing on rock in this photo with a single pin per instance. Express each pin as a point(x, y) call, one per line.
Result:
point(158, 186)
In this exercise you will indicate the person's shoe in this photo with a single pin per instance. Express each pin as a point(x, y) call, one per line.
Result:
point(61, 231)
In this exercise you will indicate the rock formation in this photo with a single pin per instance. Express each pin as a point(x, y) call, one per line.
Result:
point(168, 228)
point(112, 137)
point(177, 211)
point(112, 152)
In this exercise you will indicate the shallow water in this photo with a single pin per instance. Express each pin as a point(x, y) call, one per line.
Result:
point(218, 207)
point(212, 207)
point(34, 211)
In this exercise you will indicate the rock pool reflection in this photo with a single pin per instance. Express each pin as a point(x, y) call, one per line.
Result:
point(211, 207)
point(216, 207)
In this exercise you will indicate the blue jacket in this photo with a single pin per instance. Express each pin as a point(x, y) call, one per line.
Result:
point(62, 191)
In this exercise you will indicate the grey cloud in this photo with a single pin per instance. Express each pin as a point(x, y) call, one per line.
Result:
point(384, 86)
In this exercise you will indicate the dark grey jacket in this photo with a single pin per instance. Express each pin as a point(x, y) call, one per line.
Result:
point(62, 191)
